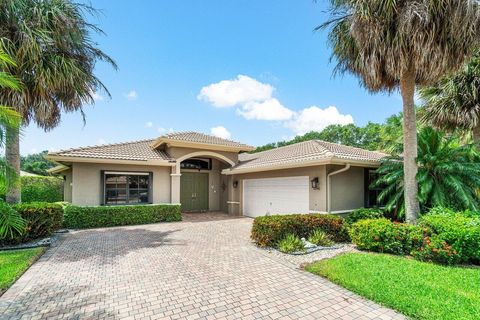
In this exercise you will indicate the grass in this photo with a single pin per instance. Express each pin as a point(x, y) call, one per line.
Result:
point(417, 289)
point(14, 263)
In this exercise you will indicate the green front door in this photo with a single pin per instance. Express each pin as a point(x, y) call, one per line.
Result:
point(194, 191)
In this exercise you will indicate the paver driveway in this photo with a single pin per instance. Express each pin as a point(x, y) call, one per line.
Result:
point(194, 269)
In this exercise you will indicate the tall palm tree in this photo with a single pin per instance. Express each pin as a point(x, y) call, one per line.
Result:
point(448, 175)
point(51, 42)
point(454, 102)
point(394, 44)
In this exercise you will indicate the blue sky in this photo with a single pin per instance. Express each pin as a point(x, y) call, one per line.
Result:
point(277, 78)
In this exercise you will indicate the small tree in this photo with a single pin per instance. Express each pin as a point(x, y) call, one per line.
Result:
point(448, 174)
point(392, 44)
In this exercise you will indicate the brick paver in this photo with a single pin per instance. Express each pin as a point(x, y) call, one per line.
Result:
point(200, 268)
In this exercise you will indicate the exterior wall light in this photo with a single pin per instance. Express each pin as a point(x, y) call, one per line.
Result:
point(235, 183)
point(315, 183)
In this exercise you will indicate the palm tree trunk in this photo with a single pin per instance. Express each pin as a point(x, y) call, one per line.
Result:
point(476, 135)
point(12, 156)
point(407, 89)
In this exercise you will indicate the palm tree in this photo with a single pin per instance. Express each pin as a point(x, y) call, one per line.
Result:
point(393, 44)
point(448, 174)
point(51, 42)
point(454, 102)
point(11, 223)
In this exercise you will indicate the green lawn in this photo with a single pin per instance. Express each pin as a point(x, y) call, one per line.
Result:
point(417, 289)
point(14, 263)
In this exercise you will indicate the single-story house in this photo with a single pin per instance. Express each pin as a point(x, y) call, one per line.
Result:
point(207, 173)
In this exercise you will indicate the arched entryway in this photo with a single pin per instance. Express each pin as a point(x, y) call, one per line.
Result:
point(199, 183)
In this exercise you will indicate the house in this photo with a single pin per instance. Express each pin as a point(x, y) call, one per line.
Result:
point(207, 173)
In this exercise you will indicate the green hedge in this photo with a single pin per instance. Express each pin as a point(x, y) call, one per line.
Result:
point(268, 230)
point(459, 234)
point(41, 218)
point(362, 214)
point(382, 235)
point(109, 216)
point(45, 189)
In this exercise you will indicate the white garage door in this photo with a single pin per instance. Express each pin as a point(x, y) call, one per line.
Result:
point(275, 196)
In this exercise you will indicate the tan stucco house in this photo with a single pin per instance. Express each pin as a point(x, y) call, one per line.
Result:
point(207, 173)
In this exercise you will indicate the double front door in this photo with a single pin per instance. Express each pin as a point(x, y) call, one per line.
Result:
point(194, 191)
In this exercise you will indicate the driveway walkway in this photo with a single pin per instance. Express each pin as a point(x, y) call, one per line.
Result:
point(196, 269)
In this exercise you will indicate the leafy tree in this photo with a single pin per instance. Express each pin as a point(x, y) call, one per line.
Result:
point(448, 174)
point(51, 42)
point(400, 44)
point(454, 102)
point(367, 137)
point(36, 163)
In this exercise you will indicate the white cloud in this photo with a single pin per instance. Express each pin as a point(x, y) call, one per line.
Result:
point(101, 141)
point(148, 124)
point(131, 95)
point(220, 132)
point(316, 119)
point(270, 109)
point(97, 97)
point(33, 150)
point(238, 91)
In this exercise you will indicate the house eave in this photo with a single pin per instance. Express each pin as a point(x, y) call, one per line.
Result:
point(199, 145)
point(310, 163)
point(149, 162)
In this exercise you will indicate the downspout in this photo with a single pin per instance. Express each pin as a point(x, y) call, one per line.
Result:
point(329, 196)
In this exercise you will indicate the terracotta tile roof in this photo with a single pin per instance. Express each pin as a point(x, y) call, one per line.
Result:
point(135, 150)
point(306, 151)
point(197, 137)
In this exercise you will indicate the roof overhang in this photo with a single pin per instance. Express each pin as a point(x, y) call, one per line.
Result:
point(65, 159)
point(300, 164)
point(58, 169)
point(198, 145)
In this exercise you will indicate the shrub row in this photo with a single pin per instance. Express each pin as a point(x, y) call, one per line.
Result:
point(41, 220)
point(441, 236)
point(382, 235)
point(109, 216)
point(269, 230)
point(47, 189)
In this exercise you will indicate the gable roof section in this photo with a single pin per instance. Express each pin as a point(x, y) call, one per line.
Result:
point(133, 151)
point(305, 153)
point(200, 140)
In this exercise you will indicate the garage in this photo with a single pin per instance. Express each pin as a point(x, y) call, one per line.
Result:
point(275, 196)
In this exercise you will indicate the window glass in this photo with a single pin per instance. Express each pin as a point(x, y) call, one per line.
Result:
point(126, 188)
point(196, 163)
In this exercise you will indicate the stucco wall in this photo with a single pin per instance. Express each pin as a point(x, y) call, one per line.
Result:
point(347, 188)
point(317, 198)
point(86, 180)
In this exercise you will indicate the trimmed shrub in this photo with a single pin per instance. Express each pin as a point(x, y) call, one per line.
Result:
point(291, 243)
point(459, 231)
point(109, 216)
point(320, 238)
point(44, 189)
point(382, 235)
point(268, 230)
point(435, 249)
point(362, 214)
point(41, 219)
